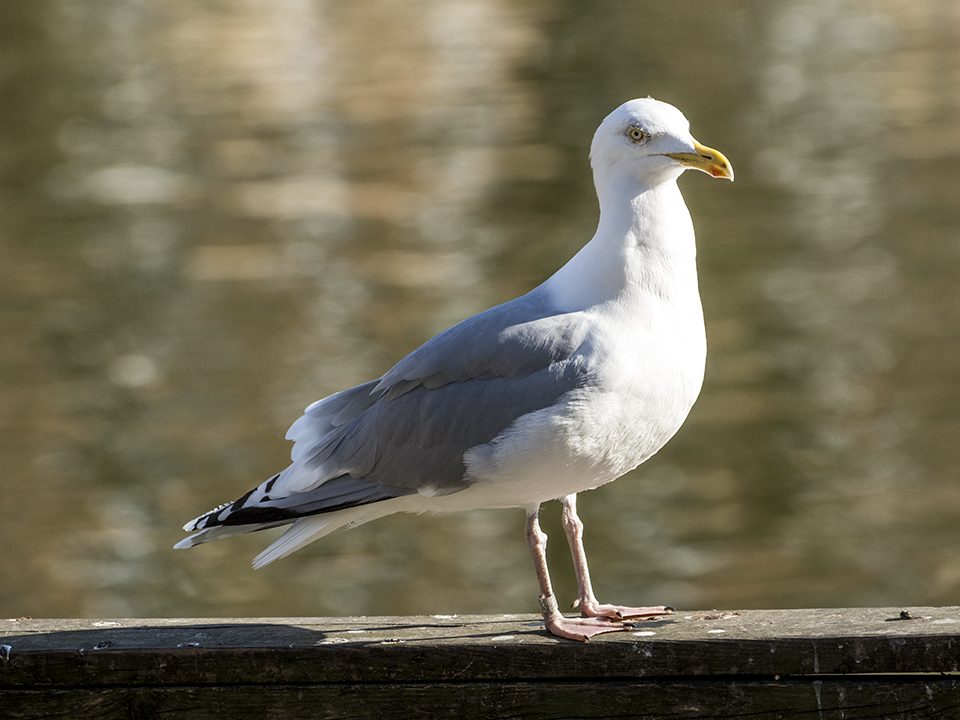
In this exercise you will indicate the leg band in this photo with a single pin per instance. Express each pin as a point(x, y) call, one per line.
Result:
point(548, 605)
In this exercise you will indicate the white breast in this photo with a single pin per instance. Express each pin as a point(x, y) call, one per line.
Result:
point(637, 282)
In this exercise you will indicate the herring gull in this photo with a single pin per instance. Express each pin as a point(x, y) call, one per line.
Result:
point(556, 392)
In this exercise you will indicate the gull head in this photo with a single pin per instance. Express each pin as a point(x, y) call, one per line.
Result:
point(648, 142)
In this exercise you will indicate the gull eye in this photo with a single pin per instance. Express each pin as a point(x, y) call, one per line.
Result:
point(636, 134)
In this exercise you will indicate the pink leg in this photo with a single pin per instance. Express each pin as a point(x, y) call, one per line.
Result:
point(586, 600)
point(582, 628)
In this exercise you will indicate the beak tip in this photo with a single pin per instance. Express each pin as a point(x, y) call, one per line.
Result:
point(713, 162)
point(721, 167)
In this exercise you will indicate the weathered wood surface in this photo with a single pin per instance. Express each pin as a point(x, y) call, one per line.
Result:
point(852, 663)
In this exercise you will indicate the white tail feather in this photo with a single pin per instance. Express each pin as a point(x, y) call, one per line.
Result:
point(310, 528)
point(215, 533)
point(297, 535)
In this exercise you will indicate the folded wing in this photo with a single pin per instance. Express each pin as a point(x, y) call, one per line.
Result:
point(407, 432)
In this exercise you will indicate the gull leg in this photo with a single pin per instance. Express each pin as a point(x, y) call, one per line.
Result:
point(586, 600)
point(582, 628)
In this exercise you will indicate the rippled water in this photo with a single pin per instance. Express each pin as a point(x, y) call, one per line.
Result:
point(213, 214)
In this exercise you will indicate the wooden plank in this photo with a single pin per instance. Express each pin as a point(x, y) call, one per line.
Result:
point(412, 649)
point(828, 699)
point(852, 663)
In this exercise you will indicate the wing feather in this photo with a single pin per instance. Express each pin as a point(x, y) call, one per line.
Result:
point(408, 431)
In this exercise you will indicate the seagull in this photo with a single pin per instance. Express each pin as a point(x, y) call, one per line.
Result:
point(556, 392)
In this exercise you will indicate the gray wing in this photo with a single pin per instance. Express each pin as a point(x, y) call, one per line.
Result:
point(408, 431)
point(511, 340)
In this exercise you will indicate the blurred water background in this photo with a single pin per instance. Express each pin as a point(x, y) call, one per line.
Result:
point(213, 213)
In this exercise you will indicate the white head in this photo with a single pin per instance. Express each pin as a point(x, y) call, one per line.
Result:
point(644, 143)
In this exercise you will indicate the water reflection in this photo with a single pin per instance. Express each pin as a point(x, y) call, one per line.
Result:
point(215, 214)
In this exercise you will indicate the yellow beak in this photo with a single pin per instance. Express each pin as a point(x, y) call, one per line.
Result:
point(707, 159)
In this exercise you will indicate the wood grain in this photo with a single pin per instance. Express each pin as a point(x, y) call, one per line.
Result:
point(850, 663)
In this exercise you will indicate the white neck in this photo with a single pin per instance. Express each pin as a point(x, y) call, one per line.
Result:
point(644, 244)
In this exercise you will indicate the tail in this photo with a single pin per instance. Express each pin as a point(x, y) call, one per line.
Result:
point(311, 494)
point(313, 514)
point(307, 529)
